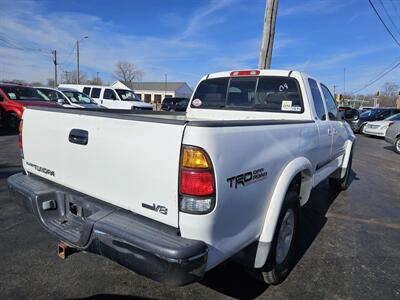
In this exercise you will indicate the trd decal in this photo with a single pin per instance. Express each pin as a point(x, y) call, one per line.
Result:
point(157, 208)
point(41, 169)
point(247, 178)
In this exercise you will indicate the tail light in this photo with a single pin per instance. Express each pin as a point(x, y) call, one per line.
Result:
point(245, 73)
point(20, 134)
point(197, 186)
point(20, 144)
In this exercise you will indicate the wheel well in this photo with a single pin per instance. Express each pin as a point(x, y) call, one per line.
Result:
point(295, 185)
point(301, 184)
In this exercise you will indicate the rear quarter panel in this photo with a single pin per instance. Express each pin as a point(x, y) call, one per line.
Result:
point(238, 217)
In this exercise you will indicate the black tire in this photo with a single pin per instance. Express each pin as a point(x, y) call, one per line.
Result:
point(341, 184)
point(361, 129)
point(397, 145)
point(12, 122)
point(274, 272)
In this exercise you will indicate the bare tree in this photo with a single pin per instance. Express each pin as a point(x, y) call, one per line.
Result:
point(390, 89)
point(71, 77)
point(51, 82)
point(127, 72)
point(389, 94)
point(95, 81)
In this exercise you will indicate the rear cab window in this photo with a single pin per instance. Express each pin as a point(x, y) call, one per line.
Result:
point(263, 93)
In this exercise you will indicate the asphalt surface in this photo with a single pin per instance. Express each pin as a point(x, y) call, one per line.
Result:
point(350, 246)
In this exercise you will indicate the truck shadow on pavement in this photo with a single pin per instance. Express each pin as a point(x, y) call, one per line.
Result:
point(232, 279)
point(7, 132)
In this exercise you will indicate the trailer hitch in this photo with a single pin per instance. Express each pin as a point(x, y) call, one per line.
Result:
point(64, 250)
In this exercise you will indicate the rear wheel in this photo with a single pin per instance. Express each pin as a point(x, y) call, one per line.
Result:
point(342, 184)
point(397, 145)
point(361, 130)
point(284, 246)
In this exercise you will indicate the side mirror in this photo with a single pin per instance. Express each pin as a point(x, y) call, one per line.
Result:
point(60, 101)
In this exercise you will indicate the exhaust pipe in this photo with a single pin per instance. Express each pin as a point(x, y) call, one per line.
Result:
point(64, 250)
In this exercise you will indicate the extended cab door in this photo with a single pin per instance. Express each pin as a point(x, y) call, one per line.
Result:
point(324, 151)
point(339, 133)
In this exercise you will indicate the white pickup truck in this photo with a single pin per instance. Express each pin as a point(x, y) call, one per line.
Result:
point(172, 195)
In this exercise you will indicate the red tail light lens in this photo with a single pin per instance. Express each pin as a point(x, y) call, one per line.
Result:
point(197, 183)
point(20, 135)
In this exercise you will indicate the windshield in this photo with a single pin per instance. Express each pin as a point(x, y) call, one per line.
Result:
point(395, 117)
point(78, 97)
point(273, 94)
point(127, 95)
point(24, 93)
point(371, 112)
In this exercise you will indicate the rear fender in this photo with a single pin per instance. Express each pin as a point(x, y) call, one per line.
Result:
point(299, 165)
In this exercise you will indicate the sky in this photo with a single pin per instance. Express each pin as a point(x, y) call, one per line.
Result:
point(188, 39)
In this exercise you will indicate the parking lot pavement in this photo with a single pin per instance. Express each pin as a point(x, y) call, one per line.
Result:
point(350, 246)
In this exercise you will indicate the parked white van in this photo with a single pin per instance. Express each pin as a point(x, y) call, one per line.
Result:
point(110, 97)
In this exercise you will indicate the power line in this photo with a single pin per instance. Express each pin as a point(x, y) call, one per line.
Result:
point(384, 24)
point(380, 76)
point(390, 18)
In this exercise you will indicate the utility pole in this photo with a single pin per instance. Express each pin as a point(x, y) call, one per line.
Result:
point(334, 90)
point(77, 61)
point(344, 81)
point(54, 52)
point(77, 57)
point(267, 42)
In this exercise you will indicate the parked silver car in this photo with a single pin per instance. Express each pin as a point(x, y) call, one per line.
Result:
point(392, 135)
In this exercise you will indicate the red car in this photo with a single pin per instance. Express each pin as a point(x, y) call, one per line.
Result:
point(14, 98)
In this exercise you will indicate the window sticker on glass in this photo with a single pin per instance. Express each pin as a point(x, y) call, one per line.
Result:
point(197, 102)
point(296, 108)
point(286, 105)
point(12, 96)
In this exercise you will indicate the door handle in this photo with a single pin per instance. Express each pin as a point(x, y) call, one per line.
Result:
point(78, 136)
point(329, 131)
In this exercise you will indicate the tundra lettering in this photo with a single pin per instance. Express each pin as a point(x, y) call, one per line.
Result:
point(41, 169)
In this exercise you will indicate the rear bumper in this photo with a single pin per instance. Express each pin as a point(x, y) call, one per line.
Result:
point(374, 132)
point(143, 245)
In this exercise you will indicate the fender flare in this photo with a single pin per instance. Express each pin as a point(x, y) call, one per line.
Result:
point(300, 164)
point(345, 163)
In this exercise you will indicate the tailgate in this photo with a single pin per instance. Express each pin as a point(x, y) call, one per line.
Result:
point(132, 164)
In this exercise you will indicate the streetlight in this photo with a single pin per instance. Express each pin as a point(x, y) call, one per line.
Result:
point(77, 56)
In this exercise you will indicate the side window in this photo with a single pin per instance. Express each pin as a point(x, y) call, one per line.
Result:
point(317, 99)
point(60, 96)
point(109, 94)
point(333, 112)
point(95, 93)
point(383, 115)
point(86, 90)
